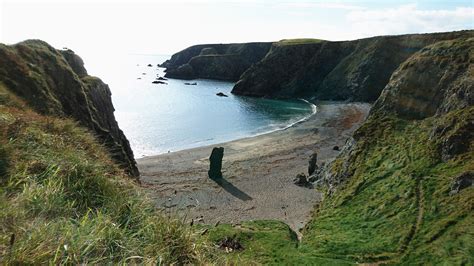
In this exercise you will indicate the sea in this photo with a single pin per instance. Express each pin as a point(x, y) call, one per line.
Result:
point(162, 118)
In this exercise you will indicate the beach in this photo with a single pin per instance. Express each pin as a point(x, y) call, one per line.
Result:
point(258, 172)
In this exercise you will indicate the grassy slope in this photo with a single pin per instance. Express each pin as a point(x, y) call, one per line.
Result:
point(397, 205)
point(63, 200)
point(297, 41)
point(395, 209)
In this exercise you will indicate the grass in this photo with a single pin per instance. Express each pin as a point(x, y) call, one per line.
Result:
point(300, 41)
point(397, 200)
point(63, 200)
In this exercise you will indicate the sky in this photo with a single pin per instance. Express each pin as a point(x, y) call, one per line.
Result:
point(101, 27)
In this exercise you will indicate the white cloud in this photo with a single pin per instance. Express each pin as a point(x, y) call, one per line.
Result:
point(321, 5)
point(409, 18)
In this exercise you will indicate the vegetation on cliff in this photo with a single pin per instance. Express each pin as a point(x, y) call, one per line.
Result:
point(56, 83)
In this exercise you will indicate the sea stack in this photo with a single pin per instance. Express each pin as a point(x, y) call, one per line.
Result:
point(215, 163)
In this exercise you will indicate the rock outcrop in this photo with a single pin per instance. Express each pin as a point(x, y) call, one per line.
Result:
point(55, 82)
point(215, 61)
point(350, 70)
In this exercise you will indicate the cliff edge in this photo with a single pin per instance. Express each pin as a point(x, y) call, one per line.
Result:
point(55, 82)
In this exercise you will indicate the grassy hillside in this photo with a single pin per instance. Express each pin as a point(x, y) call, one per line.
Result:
point(397, 205)
point(63, 200)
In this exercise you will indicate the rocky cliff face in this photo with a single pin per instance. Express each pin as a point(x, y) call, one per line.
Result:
point(351, 70)
point(56, 83)
point(215, 61)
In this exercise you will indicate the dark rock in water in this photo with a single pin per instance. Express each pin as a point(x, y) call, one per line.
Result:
point(162, 78)
point(215, 163)
point(159, 82)
point(150, 65)
point(143, 73)
point(336, 148)
point(220, 94)
point(461, 182)
point(313, 159)
point(188, 83)
point(230, 244)
point(301, 180)
point(139, 78)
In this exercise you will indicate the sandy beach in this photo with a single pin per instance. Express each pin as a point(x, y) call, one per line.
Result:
point(258, 172)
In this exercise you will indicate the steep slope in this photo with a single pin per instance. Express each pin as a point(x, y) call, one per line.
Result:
point(64, 201)
point(55, 82)
point(350, 70)
point(215, 61)
point(401, 189)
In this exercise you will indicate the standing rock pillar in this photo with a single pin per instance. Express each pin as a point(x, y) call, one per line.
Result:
point(215, 161)
point(312, 163)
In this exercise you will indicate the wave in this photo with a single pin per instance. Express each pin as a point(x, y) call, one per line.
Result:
point(314, 110)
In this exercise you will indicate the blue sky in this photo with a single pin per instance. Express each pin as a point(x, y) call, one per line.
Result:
point(164, 27)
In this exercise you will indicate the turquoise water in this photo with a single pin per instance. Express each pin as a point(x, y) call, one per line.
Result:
point(158, 118)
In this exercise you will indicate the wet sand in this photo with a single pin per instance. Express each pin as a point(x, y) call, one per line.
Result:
point(258, 172)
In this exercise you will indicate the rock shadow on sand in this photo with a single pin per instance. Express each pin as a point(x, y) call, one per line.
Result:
point(233, 190)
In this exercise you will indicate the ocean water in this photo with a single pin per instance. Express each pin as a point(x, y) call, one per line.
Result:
point(158, 118)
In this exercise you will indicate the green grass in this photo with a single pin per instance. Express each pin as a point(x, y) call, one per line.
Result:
point(63, 200)
point(376, 215)
point(265, 242)
point(298, 41)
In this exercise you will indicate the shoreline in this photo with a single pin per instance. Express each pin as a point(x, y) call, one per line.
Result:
point(258, 171)
point(290, 125)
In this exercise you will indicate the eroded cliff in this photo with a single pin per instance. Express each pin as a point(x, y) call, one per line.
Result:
point(349, 70)
point(215, 61)
point(56, 83)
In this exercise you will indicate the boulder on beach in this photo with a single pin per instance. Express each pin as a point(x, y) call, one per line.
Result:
point(150, 65)
point(221, 94)
point(215, 163)
point(336, 148)
point(301, 180)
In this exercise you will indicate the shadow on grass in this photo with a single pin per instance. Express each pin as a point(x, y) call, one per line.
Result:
point(235, 191)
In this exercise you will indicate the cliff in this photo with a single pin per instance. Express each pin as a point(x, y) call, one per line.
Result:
point(401, 189)
point(215, 61)
point(56, 83)
point(348, 70)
